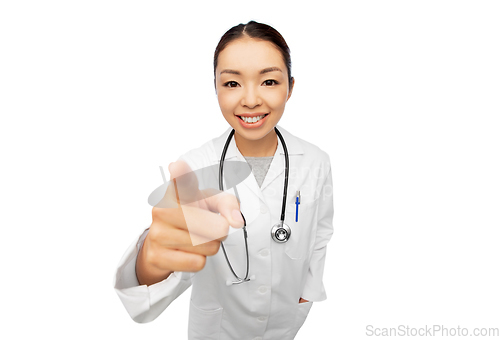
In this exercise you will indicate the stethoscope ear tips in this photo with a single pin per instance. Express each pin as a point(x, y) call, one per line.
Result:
point(252, 277)
point(229, 283)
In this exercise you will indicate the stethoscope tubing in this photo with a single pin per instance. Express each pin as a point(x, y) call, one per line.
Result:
point(221, 188)
point(283, 205)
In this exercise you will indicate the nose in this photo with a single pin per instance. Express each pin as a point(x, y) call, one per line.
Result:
point(251, 98)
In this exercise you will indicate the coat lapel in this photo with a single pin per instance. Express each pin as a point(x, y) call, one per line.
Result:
point(278, 164)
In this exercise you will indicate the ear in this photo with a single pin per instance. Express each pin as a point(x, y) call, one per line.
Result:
point(290, 89)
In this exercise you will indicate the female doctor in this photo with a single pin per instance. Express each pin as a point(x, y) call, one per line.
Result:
point(260, 280)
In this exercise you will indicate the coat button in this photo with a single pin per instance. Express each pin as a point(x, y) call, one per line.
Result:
point(262, 289)
point(264, 252)
point(263, 209)
point(262, 318)
point(257, 338)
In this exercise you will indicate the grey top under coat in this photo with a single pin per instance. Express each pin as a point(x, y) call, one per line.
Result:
point(260, 166)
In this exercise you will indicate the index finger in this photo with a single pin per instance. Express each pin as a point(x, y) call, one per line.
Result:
point(181, 189)
point(190, 182)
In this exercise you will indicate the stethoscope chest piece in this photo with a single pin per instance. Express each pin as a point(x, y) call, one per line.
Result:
point(281, 232)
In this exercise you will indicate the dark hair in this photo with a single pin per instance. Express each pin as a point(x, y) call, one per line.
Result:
point(260, 31)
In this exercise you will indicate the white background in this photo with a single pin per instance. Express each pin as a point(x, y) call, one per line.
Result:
point(403, 95)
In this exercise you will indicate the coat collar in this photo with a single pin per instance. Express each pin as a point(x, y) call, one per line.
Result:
point(277, 167)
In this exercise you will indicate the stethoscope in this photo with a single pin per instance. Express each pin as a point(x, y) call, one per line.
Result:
point(280, 232)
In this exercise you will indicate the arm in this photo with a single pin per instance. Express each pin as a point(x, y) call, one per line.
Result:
point(314, 289)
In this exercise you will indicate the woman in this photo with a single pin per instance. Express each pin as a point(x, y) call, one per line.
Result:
point(182, 247)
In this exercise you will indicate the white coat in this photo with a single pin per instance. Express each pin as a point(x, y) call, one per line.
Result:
point(266, 307)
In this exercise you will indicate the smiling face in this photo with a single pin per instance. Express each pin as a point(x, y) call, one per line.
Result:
point(252, 86)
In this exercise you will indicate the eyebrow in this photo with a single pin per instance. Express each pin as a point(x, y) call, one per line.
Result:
point(266, 70)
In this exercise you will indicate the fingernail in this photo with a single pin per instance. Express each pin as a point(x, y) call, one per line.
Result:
point(236, 215)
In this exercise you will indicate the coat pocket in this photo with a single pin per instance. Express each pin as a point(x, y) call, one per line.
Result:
point(301, 316)
point(302, 230)
point(204, 324)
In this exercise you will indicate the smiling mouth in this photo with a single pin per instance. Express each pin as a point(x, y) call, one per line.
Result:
point(251, 120)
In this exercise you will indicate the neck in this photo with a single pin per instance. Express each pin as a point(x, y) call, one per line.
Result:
point(264, 147)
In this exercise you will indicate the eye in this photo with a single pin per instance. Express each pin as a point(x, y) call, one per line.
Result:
point(231, 83)
point(270, 82)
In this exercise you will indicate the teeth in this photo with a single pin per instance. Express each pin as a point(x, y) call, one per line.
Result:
point(252, 120)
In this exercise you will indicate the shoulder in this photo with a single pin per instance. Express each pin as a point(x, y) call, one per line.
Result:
point(200, 156)
point(315, 151)
point(207, 153)
point(312, 154)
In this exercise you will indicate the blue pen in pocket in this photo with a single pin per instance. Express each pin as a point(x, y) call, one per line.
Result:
point(297, 202)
